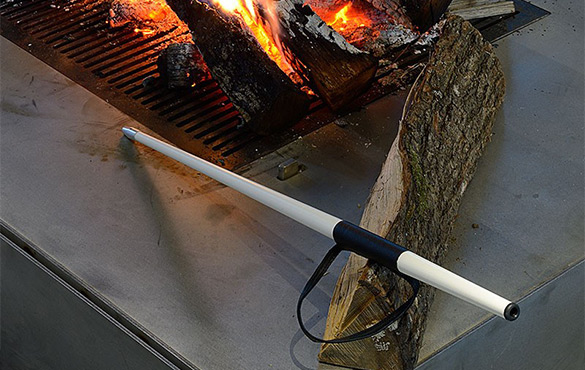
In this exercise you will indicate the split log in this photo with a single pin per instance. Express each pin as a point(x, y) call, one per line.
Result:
point(181, 65)
point(375, 26)
point(337, 70)
point(447, 121)
point(263, 94)
point(474, 9)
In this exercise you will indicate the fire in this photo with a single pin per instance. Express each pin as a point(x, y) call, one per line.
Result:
point(153, 16)
point(147, 16)
point(342, 15)
point(347, 18)
point(265, 33)
point(144, 31)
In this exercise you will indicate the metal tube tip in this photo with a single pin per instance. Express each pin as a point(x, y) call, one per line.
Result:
point(512, 312)
point(129, 132)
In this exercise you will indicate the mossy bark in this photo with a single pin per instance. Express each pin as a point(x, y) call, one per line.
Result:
point(446, 123)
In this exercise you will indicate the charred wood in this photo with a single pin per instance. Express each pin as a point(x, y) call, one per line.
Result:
point(376, 27)
point(181, 65)
point(264, 95)
point(337, 70)
point(147, 16)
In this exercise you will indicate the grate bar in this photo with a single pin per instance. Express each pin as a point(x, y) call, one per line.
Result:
point(131, 49)
point(66, 31)
point(196, 119)
point(105, 44)
point(26, 8)
point(246, 139)
point(124, 79)
point(203, 89)
point(222, 134)
point(219, 124)
point(81, 37)
point(213, 116)
point(75, 38)
point(197, 104)
point(55, 19)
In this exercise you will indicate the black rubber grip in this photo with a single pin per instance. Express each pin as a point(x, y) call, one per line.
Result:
point(355, 239)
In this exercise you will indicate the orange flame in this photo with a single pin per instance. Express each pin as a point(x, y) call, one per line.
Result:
point(347, 18)
point(342, 15)
point(267, 37)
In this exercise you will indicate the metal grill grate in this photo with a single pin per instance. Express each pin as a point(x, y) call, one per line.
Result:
point(73, 36)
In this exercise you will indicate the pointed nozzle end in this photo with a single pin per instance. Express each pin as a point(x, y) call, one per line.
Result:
point(129, 132)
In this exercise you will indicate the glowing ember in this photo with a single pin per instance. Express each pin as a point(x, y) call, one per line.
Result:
point(265, 34)
point(144, 31)
point(147, 16)
point(366, 27)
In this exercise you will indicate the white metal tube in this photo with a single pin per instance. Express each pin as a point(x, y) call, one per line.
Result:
point(424, 270)
point(311, 217)
point(407, 263)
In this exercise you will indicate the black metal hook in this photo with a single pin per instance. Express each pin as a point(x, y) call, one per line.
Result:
point(366, 333)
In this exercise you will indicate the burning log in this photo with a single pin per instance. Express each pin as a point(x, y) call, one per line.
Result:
point(265, 96)
point(337, 70)
point(181, 65)
point(447, 121)
point(146, 16)
point(143, 12)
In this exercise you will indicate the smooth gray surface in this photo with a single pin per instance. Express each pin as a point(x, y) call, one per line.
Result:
point(549, 336)
point(216, 276)
point(47, 325)
point(527, 194)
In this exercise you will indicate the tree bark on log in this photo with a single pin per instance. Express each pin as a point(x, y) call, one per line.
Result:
point(337, 70)
point(264, 95)
point(447, 121)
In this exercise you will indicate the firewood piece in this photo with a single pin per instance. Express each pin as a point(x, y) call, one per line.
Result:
point(265, 97)
point(181, 65)
point(446, 122)
point(473, 9)
point(143, 12)
point(151, 16)
point(336, 69)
